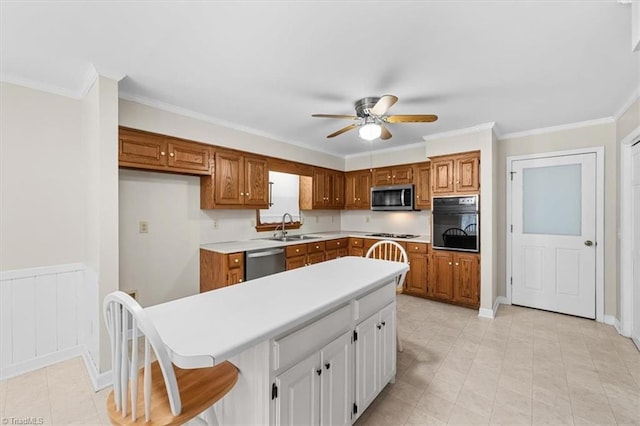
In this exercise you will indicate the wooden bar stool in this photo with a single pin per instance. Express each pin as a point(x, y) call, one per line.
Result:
point(390, 250)
point(170, 395)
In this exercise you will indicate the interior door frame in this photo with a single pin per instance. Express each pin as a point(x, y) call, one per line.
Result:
point(599, 151)
point(626, 227)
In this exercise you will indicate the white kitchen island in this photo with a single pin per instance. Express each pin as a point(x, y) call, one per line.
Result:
point(314, 345)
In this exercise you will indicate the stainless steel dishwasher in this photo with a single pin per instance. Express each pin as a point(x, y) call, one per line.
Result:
point(259, 263)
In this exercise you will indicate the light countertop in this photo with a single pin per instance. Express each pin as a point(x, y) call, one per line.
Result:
point(210, 327)
point(238, 246)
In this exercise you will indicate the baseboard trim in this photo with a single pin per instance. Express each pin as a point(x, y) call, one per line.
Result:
point(41, 361)
point(99, 380)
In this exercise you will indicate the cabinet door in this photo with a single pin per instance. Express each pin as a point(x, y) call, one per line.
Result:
point(189, 156)
point(350, 197)
point(337, 190)
point(336, 395)
point(314, 258)
point(298, 401)
point(331, 254)
point(467, 174)
point(367, 362)
point(403, 174)
point(235, 276)
point(229, 182)
point(442, 176)
point(422, 174)
point(141, 149)
point(319, 189)
point(382, 177)
point(342, 252)
point(442, 282)
point(466, 279)
point(296, 262)
point(387, 345)
point(256, 188)
point(416, 280)
point(363, 190)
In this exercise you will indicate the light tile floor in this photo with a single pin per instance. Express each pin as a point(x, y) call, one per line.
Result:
point(524, 367)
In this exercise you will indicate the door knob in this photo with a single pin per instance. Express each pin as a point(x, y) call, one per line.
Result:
point(588, 243)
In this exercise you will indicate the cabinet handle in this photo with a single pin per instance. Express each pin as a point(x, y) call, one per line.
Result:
point(237, 260)
point(379, 326)
point(456, 263)
point(240, 280)
point(242, 193)
point(338, 243)
point(162, 153)
point(317, 247)
point(327, 366)
point(449, 263)
point(247, 194)
point(383, 323)
point(171, 154)
point(297, 250)
point(394, 176)
point(319, 371)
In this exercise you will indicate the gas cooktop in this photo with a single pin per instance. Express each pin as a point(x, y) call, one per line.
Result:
point(385, 235)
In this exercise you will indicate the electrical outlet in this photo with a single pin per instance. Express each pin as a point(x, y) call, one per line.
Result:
point(367, 219)
point(333, 219)
point(143, 227)
point(215, 223)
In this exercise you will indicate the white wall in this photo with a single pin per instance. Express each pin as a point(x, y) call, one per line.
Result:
point(582, 137)
point(394, 222)
point(42, 174)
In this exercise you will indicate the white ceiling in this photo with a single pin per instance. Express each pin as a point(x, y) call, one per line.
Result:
point(266, 66)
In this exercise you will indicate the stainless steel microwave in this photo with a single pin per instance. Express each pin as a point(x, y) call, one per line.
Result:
point(392, 198)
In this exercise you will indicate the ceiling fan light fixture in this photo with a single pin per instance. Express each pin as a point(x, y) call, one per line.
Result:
point(370, 131)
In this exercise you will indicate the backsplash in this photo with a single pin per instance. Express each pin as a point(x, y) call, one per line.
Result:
point(418, 222)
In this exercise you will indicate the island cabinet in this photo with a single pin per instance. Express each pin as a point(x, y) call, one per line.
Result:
point(238, 181)
point(299, 255)
point(456, 174)
point(328, 372)
point(455, 277)
point(358, 190)
point(422, 181)
point(336, 248)
point(328, 189)
point(150, 151)
point(416, 281)
point(396, 175)
point(219, 270)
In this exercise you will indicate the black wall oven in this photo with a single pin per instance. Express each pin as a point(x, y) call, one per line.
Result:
point(455, 223)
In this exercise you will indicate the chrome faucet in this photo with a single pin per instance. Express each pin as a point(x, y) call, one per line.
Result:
point(284, 216)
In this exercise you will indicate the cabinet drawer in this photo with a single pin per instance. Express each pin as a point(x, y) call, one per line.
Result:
point(356, 242)
point(417, 248)
point(295, 346)
point(315, 247)
point(236, 260)
point(296, 250)
point(335, 244)
point(374, 301)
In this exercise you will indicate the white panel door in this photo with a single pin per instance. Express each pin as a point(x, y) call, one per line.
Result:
point(635, 243)
point(367, 362)
point(298, 401)
point(336, 395)
point(387, 327)
point(554, 230)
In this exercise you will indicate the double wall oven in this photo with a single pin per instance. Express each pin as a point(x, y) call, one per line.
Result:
point(455, 223)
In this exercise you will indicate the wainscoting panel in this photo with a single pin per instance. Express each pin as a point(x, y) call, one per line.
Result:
point(47, 314)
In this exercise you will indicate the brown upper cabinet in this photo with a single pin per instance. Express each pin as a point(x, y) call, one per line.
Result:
point(393, 175)
point(456, 174)
point(422, 181)
point(150, 151)
point(358, 190)
point(328, 189)
point(239, 181)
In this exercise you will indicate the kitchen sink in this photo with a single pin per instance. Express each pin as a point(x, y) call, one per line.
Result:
point(292, 238)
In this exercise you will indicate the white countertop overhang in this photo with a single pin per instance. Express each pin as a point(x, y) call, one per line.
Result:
point(211, 327)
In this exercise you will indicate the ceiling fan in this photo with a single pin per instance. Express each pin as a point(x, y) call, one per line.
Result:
point(371, 116)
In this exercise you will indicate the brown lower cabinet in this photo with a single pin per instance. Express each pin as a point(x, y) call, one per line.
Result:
point(417, 280)
point(299, 255)
point(219, 270)
point(455, 277)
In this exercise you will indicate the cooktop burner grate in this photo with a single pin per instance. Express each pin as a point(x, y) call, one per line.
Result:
point(387, 235)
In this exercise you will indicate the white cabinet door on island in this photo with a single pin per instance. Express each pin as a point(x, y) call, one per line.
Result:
point(292, 339)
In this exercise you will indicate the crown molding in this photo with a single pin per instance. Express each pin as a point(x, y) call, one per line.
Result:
point(484, 126)
point(219, 122)
point(634, 97)
point(552, 129)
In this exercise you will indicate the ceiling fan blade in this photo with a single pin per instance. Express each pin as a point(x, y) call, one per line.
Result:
point(383, 104)
point(348, 117)
point(411, 118)
point(343, 130)
point(386, 134)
